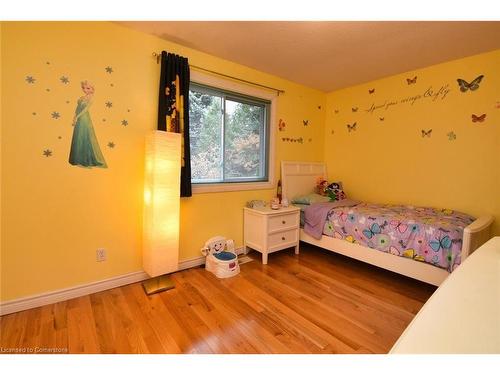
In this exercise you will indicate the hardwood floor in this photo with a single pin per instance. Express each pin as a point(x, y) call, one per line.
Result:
point(317, 302)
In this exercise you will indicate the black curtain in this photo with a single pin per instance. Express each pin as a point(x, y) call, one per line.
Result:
point(173, 109)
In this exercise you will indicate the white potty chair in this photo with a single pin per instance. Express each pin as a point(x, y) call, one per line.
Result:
point(221, 263)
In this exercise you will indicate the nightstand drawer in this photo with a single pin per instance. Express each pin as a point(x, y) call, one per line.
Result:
point(289, 237)
point(280, 222)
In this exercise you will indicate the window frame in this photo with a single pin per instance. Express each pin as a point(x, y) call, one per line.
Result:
point(239, 91)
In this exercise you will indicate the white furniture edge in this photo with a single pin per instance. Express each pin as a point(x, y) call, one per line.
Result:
point(481, 282)
point(38, 300)
point(299, 178)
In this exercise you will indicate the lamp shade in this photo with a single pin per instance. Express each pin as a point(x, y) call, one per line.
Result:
point(161, 203)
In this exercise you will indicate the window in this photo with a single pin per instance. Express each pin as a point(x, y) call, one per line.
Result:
point(229, 136)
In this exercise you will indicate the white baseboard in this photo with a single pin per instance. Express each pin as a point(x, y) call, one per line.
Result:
point(12, 306)
point(55, 296)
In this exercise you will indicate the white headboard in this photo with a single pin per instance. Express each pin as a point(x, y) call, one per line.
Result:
point(299, 178)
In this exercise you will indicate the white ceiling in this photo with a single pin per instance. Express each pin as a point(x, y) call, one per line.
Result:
point(330, 55)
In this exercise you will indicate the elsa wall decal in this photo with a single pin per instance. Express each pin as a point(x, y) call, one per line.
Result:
point(85, 149)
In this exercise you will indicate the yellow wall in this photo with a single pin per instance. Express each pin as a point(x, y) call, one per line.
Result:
point(389, 161)
point(54, 215)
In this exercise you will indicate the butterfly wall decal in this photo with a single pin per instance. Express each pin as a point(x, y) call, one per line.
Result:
point(293, 140)
point(451, 136)
point(305, 122)
point(478, 118)
point(354, 109)
point(281, 125)
point(352, 127)
point(474, 85)
point(411, 81)
point(371, 91)
point(426, 133)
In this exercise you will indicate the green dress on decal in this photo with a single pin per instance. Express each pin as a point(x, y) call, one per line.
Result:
point(85, 149)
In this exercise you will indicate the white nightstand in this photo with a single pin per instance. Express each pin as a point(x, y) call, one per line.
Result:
point(269, 230)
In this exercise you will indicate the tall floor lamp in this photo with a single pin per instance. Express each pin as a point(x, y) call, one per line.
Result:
point(161, 209)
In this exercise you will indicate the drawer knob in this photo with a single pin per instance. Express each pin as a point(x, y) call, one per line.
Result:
point(283, 222)
point(283, 238)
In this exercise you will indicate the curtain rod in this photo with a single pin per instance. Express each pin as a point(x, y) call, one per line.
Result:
point(158, 57)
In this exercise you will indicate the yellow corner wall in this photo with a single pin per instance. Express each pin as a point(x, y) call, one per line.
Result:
point(54, 216)
point(390, 161)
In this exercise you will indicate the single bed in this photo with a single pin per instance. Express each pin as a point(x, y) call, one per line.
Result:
point(299, 178)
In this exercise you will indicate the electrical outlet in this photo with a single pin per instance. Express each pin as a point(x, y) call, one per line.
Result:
point(100, 255)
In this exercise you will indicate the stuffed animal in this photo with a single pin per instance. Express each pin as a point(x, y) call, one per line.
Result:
point(335, 190)
point(321, 186)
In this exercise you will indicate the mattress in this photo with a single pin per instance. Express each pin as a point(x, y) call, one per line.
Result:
point(424, 234)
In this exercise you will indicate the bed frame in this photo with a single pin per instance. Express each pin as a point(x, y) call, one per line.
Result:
point(299, 178)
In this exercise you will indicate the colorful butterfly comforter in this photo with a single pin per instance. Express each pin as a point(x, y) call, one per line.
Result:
point(423, 234)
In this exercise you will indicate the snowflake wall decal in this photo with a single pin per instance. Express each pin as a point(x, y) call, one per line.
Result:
point(30, 79)
point(109, 104)
point(55, 115)
point(109, 70)
point(47, 153)
point(64, 80)
point(124, 122)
